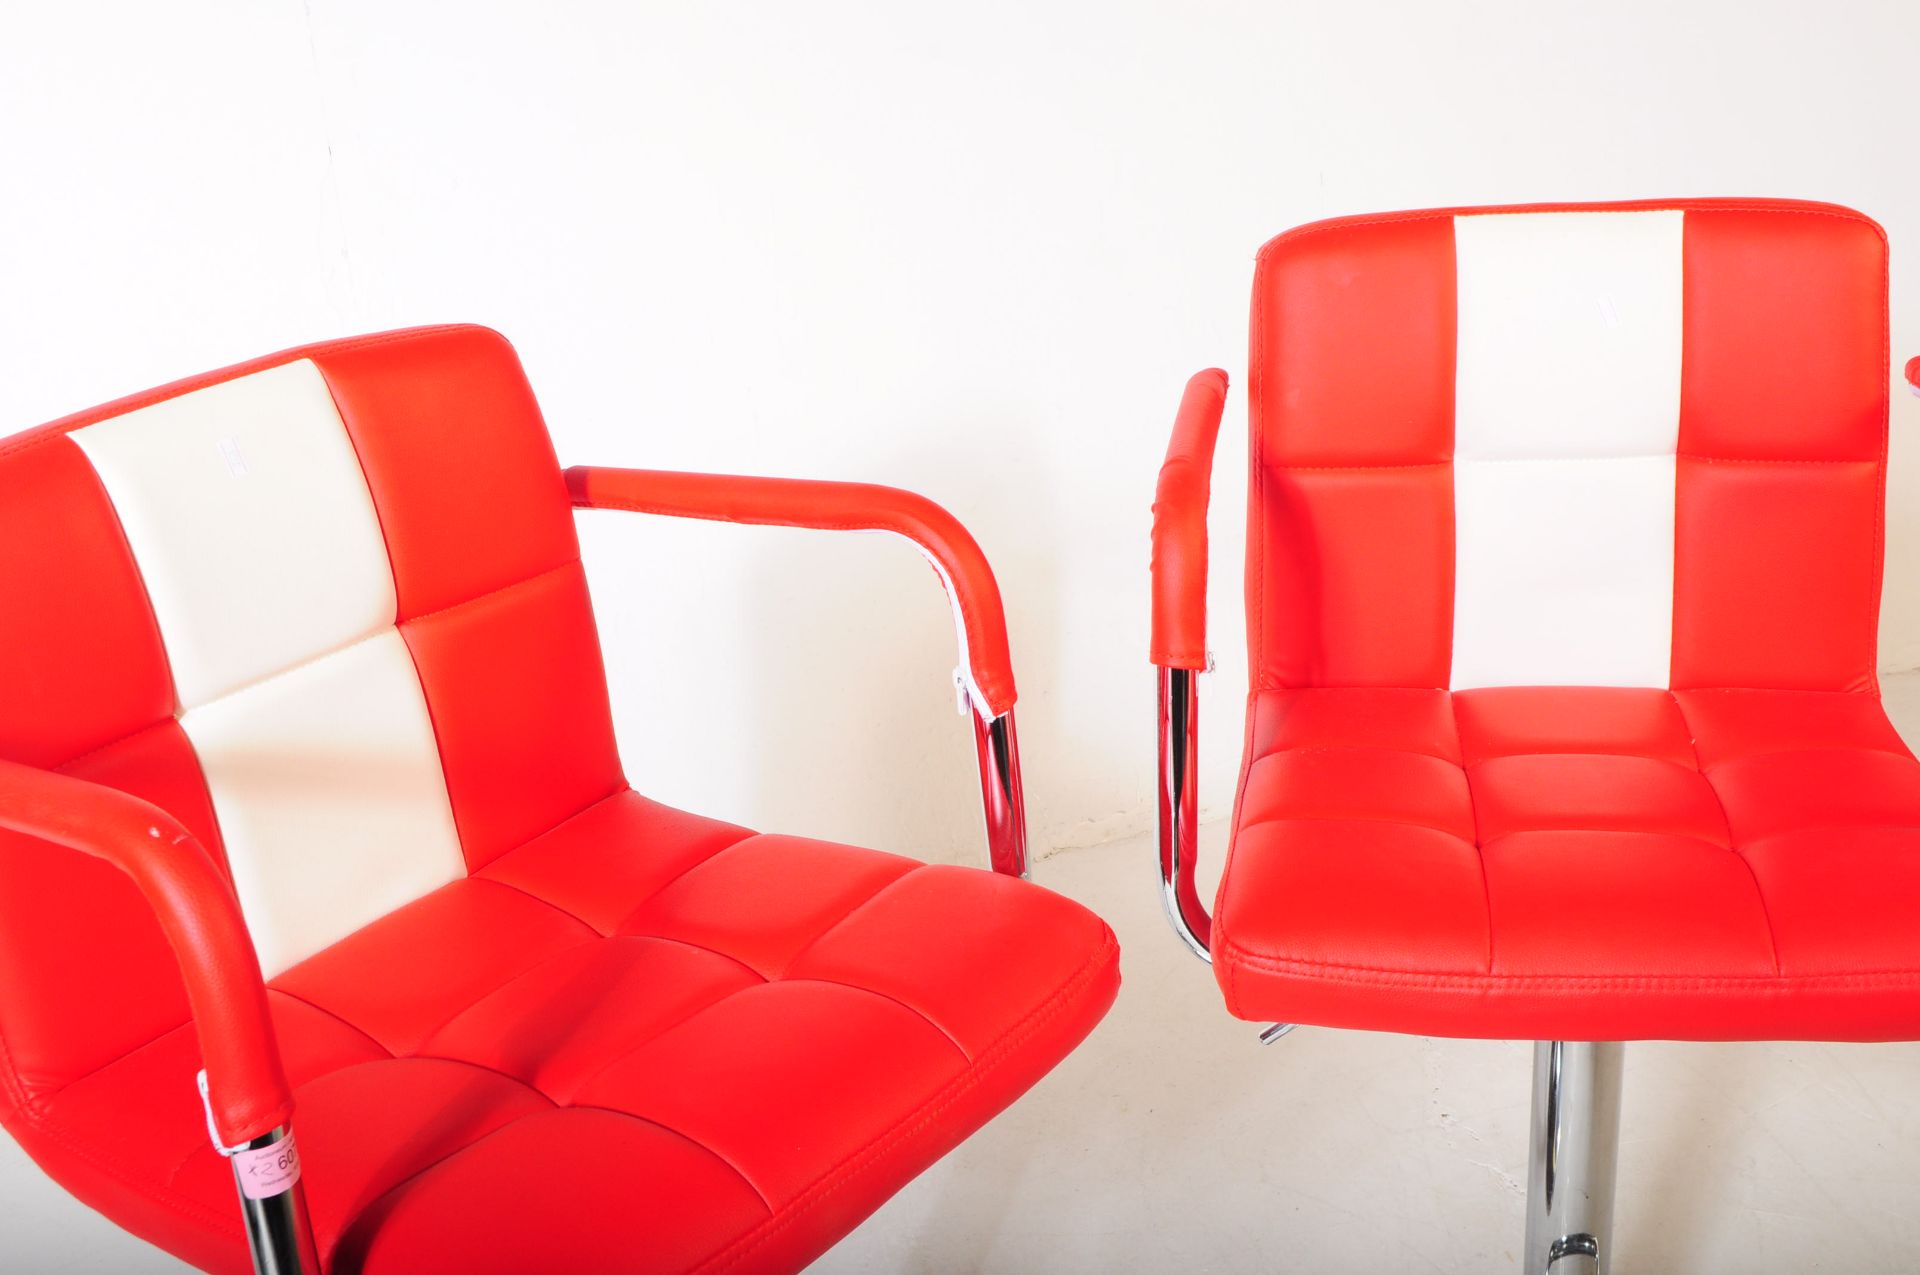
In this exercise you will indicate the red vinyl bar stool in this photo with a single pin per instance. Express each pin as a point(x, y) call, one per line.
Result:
point(1563, 575)
point(299, 658)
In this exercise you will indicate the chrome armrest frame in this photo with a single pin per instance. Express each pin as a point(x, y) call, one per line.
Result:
point(1180, 819)
point(1002, 797)
point(279, 1232)
point(273, 1211)
point(1180, 809)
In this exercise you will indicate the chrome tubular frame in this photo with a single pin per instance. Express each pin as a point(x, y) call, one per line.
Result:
point(279, 1234)
point(1180, 819)
point(1002, 799)
point(1572, 1156)
point(1180, 809)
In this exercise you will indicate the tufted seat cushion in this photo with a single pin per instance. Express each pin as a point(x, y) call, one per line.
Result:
point(1576, 862)
point(740, 1044)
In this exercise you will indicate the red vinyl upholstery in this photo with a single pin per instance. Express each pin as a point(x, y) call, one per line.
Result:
point(194, 907)
point(826, 506)
point(605, 1036)
point(1699, 825)
point(1180, 526)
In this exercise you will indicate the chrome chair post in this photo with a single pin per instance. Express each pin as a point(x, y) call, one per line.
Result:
point(279, 1233)
point(1002, 798)
point(1179, 821)
point(1573, 1153)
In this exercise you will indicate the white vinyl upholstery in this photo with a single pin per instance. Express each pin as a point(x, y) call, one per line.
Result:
point(1567, 417)
point(326, 780)
point(257, 539)
point(252, 525)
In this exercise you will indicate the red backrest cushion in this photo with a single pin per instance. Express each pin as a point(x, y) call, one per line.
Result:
point(492, 605)
point(1778, 310)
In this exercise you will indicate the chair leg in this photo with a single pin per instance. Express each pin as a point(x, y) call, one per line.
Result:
point(1574, 1149)
point(273, 1203)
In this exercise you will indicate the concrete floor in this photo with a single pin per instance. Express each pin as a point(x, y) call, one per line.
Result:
point(1172, 1141)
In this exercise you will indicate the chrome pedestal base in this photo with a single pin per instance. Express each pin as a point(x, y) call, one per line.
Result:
point(1572, 1155)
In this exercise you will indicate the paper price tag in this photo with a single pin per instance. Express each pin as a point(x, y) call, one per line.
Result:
point(268, 1171)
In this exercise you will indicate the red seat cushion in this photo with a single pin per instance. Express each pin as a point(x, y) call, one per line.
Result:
point(642, 1041)
point(1576, 863)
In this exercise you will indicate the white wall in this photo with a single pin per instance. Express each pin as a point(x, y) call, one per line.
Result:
point(973, 251)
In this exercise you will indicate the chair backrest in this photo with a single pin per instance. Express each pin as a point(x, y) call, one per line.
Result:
point(326, 609)
point(1605, 444)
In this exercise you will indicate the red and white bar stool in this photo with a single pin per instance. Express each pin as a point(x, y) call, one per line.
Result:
point(1563, 574)
point(308, 789)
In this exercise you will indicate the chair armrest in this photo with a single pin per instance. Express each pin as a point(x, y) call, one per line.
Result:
point(1179, 638)
point(1913, 374)
point(247, 1089)
point(980, 622)
point(1179, 645)
point(986, 668)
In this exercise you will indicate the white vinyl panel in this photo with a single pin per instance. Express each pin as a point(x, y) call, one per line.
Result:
point(252, 525)
point(1567, 418)
point(1569, 334)
point(1563, 572)
point(330, 796)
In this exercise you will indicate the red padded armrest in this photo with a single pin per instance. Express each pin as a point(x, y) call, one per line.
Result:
point(197, 910)
point(793, 502)
point(1180, 526)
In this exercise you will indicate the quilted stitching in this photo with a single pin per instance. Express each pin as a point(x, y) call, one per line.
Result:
point(1632, 843)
